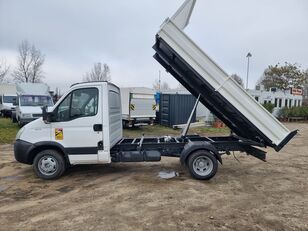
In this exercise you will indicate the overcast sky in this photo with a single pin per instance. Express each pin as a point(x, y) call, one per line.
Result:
point(73, 34)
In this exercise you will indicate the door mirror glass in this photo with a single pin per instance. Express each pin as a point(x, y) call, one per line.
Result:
point(14, 102)
point(44, 113)
point(47, 116)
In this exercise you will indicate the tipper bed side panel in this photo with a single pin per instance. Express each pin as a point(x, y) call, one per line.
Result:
point(211, 98)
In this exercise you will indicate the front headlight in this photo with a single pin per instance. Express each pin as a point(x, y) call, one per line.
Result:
point(26, 115)
point(19, 133)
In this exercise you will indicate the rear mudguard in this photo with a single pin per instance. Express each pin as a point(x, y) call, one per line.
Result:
point(191, 147)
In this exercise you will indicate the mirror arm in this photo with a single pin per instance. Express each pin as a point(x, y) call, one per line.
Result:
point(45, 114)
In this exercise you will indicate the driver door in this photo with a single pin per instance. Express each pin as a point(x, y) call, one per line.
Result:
point(77, 118)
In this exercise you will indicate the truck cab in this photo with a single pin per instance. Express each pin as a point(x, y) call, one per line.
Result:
point(82, 128)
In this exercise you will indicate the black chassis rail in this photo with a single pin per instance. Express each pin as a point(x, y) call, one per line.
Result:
point(174, 146)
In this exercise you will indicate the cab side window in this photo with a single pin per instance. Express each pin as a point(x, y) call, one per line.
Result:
point(79, 103)
point(64, 109)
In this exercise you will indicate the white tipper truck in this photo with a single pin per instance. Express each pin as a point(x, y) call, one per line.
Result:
point(85, 125)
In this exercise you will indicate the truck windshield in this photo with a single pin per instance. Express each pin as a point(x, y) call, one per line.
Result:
point(8, 99)
point(35, 100)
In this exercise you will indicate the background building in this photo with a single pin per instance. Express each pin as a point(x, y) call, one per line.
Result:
point(280, 98)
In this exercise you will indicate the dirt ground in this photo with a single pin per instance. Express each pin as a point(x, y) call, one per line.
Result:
point(250, 195)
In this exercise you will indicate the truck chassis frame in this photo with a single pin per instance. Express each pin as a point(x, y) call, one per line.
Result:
point(136, 149)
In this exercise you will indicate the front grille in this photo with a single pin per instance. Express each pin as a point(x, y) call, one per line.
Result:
point(37, 115)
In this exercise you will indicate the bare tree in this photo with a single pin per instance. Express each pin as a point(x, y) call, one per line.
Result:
point(305, 88)
point(3, 70)
point(157, 85)
point(38, 61)
point(99, 72)
point(29, 64)
point(238, 79)
point(165, 86)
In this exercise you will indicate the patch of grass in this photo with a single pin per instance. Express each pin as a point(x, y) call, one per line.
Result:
point(209, 131)
point(8, 131)
point(158, 130)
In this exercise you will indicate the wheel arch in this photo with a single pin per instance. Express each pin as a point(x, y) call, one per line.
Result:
point(40, 146)
point(192, 147)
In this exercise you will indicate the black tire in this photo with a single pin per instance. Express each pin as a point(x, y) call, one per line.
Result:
point(54, 166)
point(20, 124)
point(14, 120)
point(13, 117)
point(209, 162)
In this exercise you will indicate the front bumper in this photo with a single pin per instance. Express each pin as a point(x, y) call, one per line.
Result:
point(137, 120)
point(7, 112)
point(26, 120)
point(22, 151)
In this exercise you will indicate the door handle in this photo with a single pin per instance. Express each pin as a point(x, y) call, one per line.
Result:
point(98, 127)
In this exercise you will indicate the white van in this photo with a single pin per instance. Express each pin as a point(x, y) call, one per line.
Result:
point(6, 104)
point(31, 97)
point(7, 98)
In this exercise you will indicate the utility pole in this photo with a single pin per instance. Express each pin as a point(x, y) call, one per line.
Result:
point(159, 81)
point(248, 56)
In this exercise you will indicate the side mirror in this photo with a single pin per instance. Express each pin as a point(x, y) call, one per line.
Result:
point(14, 102)
point(44, 113)
point(47, 116)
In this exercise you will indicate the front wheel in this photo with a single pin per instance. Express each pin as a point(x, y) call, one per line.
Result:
point(49, 164)
point(20, 124)
point(202, 165)
point(13, 117)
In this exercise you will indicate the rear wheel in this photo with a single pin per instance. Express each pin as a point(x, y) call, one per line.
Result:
point(202, 165)
point(125, 124)
point(49, 164)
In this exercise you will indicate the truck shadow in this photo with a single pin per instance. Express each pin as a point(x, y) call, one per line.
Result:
point(117, 170)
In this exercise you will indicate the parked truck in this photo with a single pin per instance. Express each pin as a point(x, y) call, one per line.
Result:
point(85, 126)
point(7, 98)
point(138, 106)
point(30, 98)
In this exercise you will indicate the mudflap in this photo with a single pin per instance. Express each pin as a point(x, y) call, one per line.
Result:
point(198, 145)
point(257, 153)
